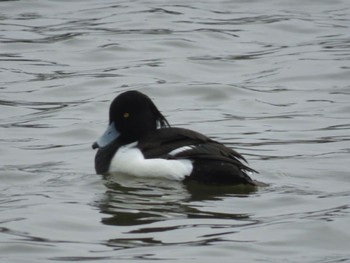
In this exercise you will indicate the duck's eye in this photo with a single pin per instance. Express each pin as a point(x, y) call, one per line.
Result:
point(126, 115)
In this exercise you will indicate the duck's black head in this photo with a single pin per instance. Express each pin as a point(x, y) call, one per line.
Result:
point(135, 115)
point(132, 115)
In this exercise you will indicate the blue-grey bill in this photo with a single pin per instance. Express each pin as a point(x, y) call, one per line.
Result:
point(107, 137)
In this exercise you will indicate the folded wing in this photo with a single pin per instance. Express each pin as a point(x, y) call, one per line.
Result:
point(178, 143)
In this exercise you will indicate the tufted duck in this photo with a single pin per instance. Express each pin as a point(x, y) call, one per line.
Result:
point(139, 141)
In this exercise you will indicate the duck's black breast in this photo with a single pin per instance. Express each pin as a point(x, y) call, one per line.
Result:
point(213, 162)
point(105, 155)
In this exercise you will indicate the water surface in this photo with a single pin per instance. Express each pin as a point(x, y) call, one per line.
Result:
point(268, 78)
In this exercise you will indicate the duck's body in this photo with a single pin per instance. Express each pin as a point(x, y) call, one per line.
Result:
point(140, 142)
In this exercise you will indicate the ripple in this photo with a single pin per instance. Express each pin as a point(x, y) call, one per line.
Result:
point(267, 78)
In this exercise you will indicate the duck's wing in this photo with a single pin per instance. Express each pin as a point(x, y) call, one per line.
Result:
point(178, 143)
point(215, 151)
point(163, 141)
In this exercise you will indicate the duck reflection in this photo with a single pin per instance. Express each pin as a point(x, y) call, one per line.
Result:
point(131, 201)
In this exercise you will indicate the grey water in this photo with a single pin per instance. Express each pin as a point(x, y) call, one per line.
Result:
point(270, 79)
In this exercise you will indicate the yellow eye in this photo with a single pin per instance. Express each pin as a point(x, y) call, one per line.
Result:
point(126, 115)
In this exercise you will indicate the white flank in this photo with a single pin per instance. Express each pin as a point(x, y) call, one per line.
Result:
point(130, 160)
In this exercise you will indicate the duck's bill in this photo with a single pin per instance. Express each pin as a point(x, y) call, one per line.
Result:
point(107, 137)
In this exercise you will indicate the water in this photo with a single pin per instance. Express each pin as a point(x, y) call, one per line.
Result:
point(269, 78)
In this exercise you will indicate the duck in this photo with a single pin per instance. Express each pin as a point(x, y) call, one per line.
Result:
point(139, 141)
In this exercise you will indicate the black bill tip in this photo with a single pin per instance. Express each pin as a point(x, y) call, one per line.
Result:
point(95, 145)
